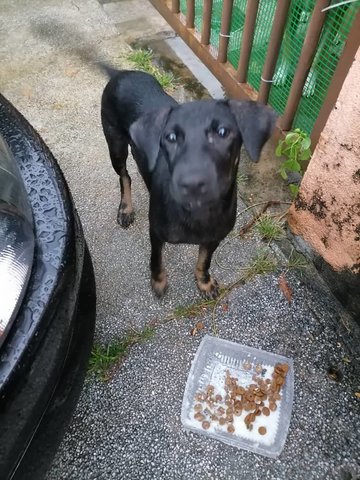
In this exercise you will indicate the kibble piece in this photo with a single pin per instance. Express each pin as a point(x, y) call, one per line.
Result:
point(277, 396)
point(222, 421)
point(218, 398)
point(199, 416)
point(258, 368)
point(237, 412)
point(231, 428)
point(265, 411)
point(247, 366)
point(272, 407)
point(221, 411)
point(240, 390)
point(262, 430)
point(205, 425)
point(198, 407)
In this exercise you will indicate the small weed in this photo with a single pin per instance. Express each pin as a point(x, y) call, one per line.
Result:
point(241, 179)
point(192, 310)
point(103, 359)
point(270, 228)
point(261, 264)
point(143, 60)
point(296, 262)
point(296, 147)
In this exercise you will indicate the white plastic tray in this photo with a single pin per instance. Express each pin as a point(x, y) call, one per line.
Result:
point(213, 359)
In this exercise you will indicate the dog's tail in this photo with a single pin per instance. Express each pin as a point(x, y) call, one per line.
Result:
point(64, 37)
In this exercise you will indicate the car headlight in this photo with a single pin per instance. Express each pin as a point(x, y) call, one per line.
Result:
point(16, 239)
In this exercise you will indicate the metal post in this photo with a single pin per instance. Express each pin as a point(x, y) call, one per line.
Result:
point(247, 40)
point(225, 30)
point(276, 37)
point(305, 60)
point(190, 13)
point(206, 22)
point(175, 6)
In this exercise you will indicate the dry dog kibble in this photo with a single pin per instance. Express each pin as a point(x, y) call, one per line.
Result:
point(265, 411)
point(199, 416)
point(257, 399)
point(231, 428)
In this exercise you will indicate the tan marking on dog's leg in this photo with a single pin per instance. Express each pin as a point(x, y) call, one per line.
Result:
point(126, 211)
point(159, 284)
point(207, 285)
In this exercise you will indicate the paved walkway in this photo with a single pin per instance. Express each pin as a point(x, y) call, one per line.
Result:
point(129, 427)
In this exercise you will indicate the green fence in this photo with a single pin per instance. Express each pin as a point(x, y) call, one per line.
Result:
point(333, 37)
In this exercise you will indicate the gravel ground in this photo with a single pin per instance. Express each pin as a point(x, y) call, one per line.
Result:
point(129, 427)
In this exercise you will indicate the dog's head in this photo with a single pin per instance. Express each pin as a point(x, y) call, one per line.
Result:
point(201, 142)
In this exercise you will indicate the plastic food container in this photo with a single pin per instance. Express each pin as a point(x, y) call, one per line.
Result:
point(215, 363)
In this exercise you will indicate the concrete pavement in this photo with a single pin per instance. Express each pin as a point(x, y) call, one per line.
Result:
point(129, 428)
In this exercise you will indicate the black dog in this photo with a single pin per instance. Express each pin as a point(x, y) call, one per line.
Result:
point(188, 157)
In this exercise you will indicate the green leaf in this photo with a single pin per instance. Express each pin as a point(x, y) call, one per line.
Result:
point(305, 155)
point(305, 143)
point(278, 151)
point(291, 138)
point(283, 174)
point(294, 189)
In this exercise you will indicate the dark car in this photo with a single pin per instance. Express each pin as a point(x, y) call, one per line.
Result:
point(47, 301)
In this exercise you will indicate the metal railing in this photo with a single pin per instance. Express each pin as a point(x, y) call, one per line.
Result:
point(273, 51)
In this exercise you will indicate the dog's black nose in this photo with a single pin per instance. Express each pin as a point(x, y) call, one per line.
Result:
point(193, 185)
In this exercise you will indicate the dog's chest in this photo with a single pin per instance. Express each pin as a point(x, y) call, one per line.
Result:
point(205, 228)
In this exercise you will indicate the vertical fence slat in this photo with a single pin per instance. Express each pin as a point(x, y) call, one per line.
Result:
point(190, 13)
point(305, 60)
point(247, 40)
point(206, 22)
point(225, 30)
point(175, 6)
point(276, 37)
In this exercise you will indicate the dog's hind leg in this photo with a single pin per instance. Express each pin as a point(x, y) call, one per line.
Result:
point(158, 274)
point(118, 148)
point(207, 285)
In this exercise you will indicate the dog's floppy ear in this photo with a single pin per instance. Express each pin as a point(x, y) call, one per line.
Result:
point(255, 122)
point(146, 133)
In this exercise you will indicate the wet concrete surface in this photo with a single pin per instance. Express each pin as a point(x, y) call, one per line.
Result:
point(129, 428)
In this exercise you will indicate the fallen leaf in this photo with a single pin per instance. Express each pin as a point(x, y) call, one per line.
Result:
point(285, 288)
point(225, 307)
point(357, 394)
point(193, 331)
point(200, 326)
point(346, 360)
point(71, 72)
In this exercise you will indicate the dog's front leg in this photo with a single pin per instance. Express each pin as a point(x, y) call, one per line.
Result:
point(207, 285)
point(158, 273)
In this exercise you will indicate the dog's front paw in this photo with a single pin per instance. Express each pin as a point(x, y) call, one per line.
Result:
point(210, 289)
point(159, 284)
point(125, 217)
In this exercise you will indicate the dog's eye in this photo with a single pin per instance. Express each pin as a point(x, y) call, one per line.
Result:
point(222, 132)
point(171, 137)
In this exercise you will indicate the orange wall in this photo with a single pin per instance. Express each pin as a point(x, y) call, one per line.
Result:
point(327, 211)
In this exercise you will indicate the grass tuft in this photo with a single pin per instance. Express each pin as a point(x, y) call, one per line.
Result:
point(261, 264)
point(143, 60)
point(270, 228)
point(103, 359)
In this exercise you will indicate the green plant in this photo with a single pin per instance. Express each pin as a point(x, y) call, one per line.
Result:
point(143, 60)
point(103, 359)
point(270, 228)
point(241, 179)
point(296, 147)
point(261, 264)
